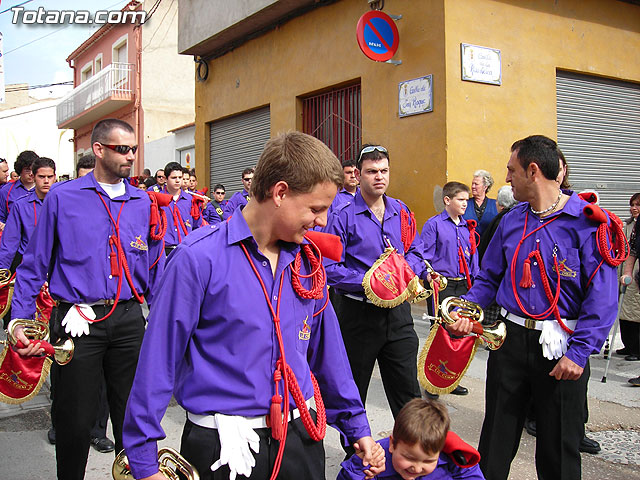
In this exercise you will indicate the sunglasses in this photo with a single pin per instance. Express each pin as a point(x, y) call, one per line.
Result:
point(373, 148)
point(219, 193)
point(247, 179)
point(121, 149)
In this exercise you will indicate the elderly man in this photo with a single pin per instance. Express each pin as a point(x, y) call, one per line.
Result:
point(482, 209)
point(558, 298)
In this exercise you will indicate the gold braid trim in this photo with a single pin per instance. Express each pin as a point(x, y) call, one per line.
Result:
point(43, 375)
point(422, 360)
point(6, 307)
point(375, 299)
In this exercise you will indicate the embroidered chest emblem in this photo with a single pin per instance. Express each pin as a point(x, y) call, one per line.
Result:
point(305, 333)
point(139, 244)
point(566, 271)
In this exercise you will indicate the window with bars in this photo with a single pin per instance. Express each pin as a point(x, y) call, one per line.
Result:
point(335, 118)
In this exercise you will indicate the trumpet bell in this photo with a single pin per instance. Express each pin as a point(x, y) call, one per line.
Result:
point(493, 335)
point(63, 351)
point(170, 464)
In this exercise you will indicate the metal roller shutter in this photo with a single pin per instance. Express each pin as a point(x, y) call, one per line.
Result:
point(236, 143)
point(599, 133)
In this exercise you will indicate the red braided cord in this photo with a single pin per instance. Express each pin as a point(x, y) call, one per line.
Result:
point(620, 246)
point(407, 230)
point(317, 275)
point(474, 237)
point(465, 266)
point(177, 221)
point(158, 232)
point(316, 430)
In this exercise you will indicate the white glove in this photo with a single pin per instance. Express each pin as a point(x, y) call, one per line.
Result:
point(237, 439)
point(73, 322)
point(553, 340)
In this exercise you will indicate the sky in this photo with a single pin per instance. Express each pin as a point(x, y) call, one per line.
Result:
point(44, 61)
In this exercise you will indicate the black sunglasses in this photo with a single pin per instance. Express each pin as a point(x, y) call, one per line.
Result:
point(219, 193)
point(121, 149)
point(246, 179)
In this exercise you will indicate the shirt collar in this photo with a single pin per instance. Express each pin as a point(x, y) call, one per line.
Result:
point(361, 206)
point(89, 182)
point(444, 215)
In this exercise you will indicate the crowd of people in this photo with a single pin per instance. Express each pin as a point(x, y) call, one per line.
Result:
point(264, 320)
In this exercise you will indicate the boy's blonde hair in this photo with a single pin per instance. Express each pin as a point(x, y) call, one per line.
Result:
point(425, 422)
point(300, 160)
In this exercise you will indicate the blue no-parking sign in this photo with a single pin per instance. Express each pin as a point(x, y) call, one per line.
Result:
point(377, 36)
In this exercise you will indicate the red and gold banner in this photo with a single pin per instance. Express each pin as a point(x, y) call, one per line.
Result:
point(21, 377)
point(44, 304)
point(444, 360)
point(390, 281)
point(6, 290)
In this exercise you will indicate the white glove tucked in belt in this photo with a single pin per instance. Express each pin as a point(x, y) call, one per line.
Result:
point(237, 439)
point(553, 340)
point(73, 322)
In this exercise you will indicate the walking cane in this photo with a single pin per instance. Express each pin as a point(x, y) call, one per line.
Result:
point(627, 281)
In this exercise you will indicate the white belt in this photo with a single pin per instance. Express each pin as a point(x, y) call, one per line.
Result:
point(209, 421)
point(532, 324)
point(355, 297)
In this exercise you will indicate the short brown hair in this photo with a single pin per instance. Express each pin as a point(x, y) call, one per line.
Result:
point(451, 189)
point(300, 160)
point(425, 422)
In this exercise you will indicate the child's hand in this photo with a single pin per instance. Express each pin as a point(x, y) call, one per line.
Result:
point(375, 458)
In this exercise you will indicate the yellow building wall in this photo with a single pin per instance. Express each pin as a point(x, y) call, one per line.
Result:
point(319, 50)
point(598, 37)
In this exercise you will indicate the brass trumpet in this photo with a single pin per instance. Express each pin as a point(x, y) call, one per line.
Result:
point(494, 334)
point(171, 462)
point(62, 351)
point(436, 277)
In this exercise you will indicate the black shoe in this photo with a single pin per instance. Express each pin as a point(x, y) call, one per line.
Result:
point(587, 445)
point(530, 427)
point(632, 358)
point(103, 445)
point(623, 351)
point(51, 436)
point(432, 396)
point(635, 381)
point(460, 390)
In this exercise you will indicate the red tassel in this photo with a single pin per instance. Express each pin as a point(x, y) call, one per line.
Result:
point(275, 417)
point(526, 280)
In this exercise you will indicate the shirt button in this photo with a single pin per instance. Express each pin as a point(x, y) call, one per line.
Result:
point(537, 240)
point(275, 297)
point(535, 263)
point(264, 264)
point(110, 277)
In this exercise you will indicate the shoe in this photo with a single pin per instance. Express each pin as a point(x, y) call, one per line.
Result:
point(460, 390)
point(103, 445)
point(588, 445)
point(635, 381)
point(51, 435)
point(623, 351)
point(632, 358)
point(530, 427)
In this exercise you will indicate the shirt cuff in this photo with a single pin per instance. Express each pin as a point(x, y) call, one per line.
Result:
point(143, 460)
point(576, 356)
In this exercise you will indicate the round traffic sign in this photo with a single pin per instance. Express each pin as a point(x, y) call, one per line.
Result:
point(377, 35)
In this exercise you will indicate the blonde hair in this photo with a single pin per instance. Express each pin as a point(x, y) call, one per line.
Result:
point(300, 160)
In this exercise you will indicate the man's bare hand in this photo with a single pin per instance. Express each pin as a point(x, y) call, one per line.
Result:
point(462, 326)
point(566, 369)
point(32, 347)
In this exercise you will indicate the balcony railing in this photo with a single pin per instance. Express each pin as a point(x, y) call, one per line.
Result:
point(114, 82)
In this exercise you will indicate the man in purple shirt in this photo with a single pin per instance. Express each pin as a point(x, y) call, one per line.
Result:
point(349, 187)
point(367, 226)
point(12, 191)
point(92, 243)
point(213, 212)
point(239, 198)
point(180, 222)
point(558, 298)
point(214, 342)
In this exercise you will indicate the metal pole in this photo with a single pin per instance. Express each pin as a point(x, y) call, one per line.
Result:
point(627, 281)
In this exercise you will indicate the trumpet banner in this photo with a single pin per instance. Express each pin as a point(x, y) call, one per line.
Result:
point(6, 292)
point(21, 377)
point(444, 360)
point(44, 305)
point(390, 281)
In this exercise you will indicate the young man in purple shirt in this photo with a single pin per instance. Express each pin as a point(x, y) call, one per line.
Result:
point(239, 198)
point(367, 226)
point(558, 297)
point(92, 243)
point(349, 187)
point(231, 302)
point(13, 191)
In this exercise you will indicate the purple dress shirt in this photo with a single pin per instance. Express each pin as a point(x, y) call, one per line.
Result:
point(211, 341)
point(364, 239)
point(237, 199)
point(353, 469)
point(10, 193)
point(572, 238)
point(20, 225)
point(213, 212)
point(341, 198)
point(441, 238)
point(70, 247)
point(183, 204)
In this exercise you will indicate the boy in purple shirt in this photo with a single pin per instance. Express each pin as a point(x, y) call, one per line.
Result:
point(239, 198)
point(414, 450)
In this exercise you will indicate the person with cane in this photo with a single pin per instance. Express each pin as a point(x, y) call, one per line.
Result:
point(634, 244)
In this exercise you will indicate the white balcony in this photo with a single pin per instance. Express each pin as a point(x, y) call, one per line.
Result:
point(109, 90)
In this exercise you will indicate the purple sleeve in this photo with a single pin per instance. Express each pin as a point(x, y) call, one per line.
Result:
point(4, 214)
point(10, 241)
point(338, 274)
point(352, 469)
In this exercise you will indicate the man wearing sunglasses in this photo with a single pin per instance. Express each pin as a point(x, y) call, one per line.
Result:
point(367, 225)
point(214, 213)
point(239, 199)
point(161, 181)
point(93, 244)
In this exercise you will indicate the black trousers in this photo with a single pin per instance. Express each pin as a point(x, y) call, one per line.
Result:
point(630, 336)
point(372, 333)
point(455, 288)
point(110, 352)
point(303, 457)
point(515, 373)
